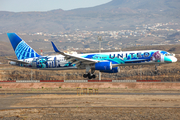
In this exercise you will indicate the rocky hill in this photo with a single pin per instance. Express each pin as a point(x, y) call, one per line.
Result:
point(135, 6)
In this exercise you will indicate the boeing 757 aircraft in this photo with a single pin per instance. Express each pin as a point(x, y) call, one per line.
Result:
point(108, 62)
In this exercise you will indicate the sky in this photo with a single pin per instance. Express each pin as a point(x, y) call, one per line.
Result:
point(46, 5)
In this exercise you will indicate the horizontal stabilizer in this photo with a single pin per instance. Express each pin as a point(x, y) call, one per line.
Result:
point(17, 61)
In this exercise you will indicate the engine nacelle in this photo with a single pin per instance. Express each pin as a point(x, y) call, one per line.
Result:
point(114, 70)
point(103, 66)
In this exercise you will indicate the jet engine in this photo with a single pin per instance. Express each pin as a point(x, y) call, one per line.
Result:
point(103, 66)
point(114, 70)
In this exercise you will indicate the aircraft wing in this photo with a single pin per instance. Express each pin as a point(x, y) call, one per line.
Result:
point(74, 59)
point(17, 61)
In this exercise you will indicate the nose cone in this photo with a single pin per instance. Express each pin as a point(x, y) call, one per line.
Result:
point(174, 59)
point(170, 59)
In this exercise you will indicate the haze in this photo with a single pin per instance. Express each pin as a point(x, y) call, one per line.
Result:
point(46, 5)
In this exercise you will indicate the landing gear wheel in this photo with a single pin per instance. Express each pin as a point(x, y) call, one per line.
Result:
point(86, 75)
point(93, 76)
point(156, 72)
point(90, 77)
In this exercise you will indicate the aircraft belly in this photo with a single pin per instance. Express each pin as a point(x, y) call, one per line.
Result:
point(143, 63)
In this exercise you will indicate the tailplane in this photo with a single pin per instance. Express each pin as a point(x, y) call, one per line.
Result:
point(21, 48)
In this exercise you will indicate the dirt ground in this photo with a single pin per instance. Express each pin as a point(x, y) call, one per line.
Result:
point(74, 90)
point(89, 107)
point(111, 113)
point(98, 101)
point(120, 85)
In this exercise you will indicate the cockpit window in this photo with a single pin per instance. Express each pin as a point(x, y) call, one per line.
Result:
point(169, 54)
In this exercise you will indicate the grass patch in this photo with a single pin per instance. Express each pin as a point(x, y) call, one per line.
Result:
point(59, 86)
point(0, 86)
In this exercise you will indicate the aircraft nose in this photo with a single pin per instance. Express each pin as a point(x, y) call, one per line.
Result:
point(174, 59)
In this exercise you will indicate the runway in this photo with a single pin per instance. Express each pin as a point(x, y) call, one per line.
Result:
point(82, 107)
point(93, 93)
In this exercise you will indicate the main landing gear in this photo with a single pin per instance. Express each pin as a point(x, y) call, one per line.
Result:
point(90, 75)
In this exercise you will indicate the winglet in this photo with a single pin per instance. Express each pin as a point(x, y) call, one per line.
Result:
point(54, 47)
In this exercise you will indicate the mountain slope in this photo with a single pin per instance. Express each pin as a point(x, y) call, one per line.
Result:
point(109, 16)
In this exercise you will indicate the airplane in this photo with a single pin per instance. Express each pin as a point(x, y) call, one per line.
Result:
point(107, 62)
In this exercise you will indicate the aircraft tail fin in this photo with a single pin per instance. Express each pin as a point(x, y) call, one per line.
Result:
point(21, 48)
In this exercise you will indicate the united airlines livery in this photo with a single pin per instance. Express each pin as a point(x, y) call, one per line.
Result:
point(108, 62)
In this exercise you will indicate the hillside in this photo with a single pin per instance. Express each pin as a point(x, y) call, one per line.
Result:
point(136, 6)
point(111, 16)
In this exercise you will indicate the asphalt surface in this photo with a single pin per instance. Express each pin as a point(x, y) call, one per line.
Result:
point(10, 100)
point(87, 82)
point(82, 107)
point(98, 93)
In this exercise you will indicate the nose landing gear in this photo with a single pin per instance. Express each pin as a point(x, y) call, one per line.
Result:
point(156, 69)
